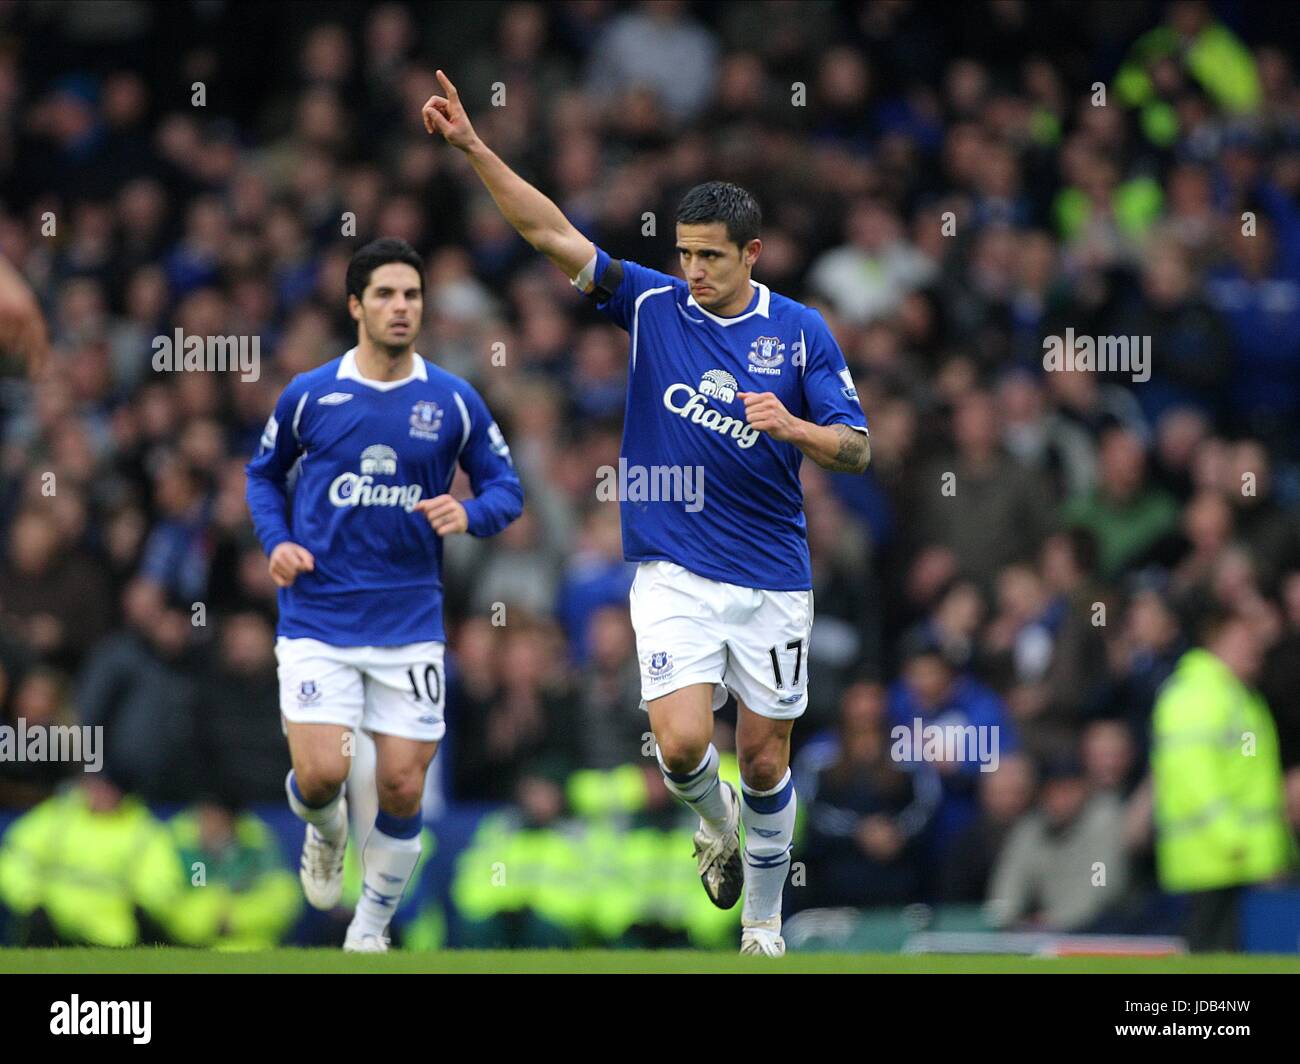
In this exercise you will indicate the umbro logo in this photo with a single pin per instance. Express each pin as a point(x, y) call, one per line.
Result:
point(766, 833)
point(334, 398)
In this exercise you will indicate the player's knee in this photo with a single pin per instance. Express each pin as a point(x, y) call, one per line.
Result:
point(762, 769)
point(682, 753)
point(400, 794)
point(320, 780)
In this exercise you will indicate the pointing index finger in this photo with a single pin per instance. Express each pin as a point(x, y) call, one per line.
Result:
point(445, 81)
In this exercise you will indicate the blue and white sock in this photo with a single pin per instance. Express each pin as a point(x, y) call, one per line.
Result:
point(700, 789)
point(388, 858)
point(768, 817)
point(328, 819)
point(362, 792)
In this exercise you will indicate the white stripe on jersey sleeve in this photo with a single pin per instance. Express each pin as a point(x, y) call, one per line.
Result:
point(464, 417)
point(636, 311)
point(464, 437)
point(297, 415)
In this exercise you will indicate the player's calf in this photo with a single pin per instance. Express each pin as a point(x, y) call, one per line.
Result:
point(769, 817)
point(391, 850)
point(717, 842)
point(324, 844)
point(388, 859)
point(683, 725)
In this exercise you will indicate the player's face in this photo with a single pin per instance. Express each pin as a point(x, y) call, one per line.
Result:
point(717, 269)
point(391, 306)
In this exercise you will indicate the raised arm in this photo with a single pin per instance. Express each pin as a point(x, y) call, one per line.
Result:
point(534, 215)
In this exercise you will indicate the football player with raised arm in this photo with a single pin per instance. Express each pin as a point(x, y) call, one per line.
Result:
point(727, 377)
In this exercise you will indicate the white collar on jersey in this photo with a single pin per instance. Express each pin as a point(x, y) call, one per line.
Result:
point(760, 307)
point(348, 372)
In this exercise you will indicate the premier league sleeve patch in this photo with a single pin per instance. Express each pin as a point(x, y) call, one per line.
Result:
point(850, 390)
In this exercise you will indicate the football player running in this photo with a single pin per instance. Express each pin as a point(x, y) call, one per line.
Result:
point(370, 442)
point(727, 377)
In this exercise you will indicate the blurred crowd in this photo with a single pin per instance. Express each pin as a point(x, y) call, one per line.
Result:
point(1029, 549)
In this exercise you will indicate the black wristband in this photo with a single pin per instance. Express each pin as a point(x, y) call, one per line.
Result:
point(603, 290)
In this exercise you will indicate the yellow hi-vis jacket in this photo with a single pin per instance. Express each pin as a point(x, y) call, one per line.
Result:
point(90, 870)
point(1217, 781)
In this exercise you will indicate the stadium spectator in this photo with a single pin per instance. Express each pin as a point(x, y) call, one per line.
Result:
point(236, 713)
point(595, 577)
point(240, 895)
point(54, 598)
point(629, 54)
point(140, 687)
point(610, 725)
point(933, 692)
point(868, 819)
point(39, 701)
point(868, 277)
point(1064, 864)
point(979, 502)
point(1217, 781)
point(1280, 680)
point(1005, 796)
point(521, 727)
point(1129, 516)
point(89, 867)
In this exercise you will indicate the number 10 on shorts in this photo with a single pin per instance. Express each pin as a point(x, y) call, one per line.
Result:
point(432, 684)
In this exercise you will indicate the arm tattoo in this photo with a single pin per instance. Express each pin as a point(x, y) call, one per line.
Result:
point(853, 452)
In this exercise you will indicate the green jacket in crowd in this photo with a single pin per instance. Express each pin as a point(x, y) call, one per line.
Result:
point(1217, 781)
point(90, 870)
point(1216, 59)
point(239, 898)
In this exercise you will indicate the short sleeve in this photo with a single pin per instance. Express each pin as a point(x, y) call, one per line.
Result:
point(635, 282)
point(828, 385)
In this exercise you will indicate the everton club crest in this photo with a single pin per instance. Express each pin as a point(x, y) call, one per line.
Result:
point(766, 355)
point(426, 420)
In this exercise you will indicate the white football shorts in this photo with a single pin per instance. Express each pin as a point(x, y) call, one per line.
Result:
point(690, 629)
point(398, 690)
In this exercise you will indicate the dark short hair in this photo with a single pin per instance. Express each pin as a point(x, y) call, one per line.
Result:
point(1084, 548)
point(378, 253)
point(1212, 618)
point(721, 201)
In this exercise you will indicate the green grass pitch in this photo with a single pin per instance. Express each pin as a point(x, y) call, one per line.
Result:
point(306, 961)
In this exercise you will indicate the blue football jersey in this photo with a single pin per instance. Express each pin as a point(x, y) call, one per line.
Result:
point(686, 368)
point(359, 455)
